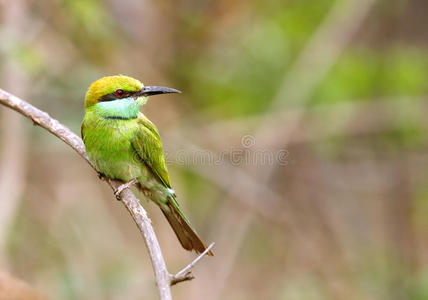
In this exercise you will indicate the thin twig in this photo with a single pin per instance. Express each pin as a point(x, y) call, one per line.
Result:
point(185, 274)
point(163, 278)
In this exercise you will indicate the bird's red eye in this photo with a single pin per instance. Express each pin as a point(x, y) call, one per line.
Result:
point(119, 93)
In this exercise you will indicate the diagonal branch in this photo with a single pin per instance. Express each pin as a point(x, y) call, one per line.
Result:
point(185, 274)
point(40, 118)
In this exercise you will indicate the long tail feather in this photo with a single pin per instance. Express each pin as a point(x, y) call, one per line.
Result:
point(188, 238)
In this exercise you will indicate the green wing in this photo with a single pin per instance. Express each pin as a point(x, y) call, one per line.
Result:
point(148, 145)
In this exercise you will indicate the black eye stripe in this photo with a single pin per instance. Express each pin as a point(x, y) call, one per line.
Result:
point(108, 97)
point(113, 96)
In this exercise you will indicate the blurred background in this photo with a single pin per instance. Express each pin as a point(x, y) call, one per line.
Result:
point(299, 145)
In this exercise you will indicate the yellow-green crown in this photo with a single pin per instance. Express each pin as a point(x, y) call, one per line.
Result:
point(108, 85)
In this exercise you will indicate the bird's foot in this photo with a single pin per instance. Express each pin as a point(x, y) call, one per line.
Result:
point(121, 187)
point(101, 176)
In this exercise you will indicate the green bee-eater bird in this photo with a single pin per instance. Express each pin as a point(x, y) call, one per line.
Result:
point(123, 144)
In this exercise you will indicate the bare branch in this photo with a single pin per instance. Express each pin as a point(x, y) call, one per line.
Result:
point(185, 274)
point(163, 278)
point(186, 277)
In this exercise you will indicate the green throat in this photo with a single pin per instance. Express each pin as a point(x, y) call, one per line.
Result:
point(121, 109)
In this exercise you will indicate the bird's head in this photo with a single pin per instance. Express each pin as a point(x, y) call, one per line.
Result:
point(120, 87)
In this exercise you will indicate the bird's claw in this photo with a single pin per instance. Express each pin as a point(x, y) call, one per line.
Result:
point(121, 187)
point(101, 176)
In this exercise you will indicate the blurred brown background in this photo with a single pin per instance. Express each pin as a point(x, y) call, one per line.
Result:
point(299, 145)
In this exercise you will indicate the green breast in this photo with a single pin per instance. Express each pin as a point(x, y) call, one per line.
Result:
point(108, 144)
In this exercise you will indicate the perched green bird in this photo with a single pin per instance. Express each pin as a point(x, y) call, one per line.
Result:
point(123, 144)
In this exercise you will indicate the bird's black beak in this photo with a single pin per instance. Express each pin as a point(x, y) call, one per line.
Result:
point(156, 90)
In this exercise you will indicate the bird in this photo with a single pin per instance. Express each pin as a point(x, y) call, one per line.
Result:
point(123, 144)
